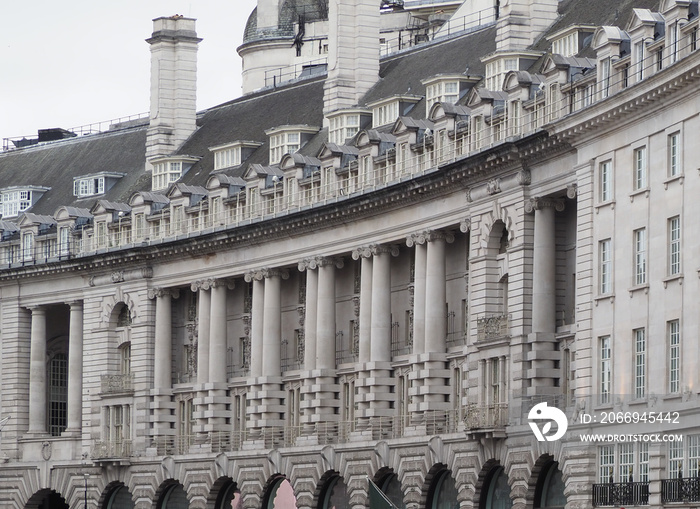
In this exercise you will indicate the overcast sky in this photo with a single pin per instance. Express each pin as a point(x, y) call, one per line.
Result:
point(66, 64)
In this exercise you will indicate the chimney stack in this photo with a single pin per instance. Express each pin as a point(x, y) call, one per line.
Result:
point(521, 22)
point(353, 52)
point(173, 84)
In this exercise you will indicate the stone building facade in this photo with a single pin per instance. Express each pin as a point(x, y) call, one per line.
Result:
point(368, 277)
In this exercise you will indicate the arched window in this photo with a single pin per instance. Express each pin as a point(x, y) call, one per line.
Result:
point(549, 493)
point(280, 495)
point(443, 493)
point(496, 492)
point(229, 497)
point(119, 498)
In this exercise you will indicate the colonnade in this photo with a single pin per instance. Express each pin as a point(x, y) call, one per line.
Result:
point(429, 388)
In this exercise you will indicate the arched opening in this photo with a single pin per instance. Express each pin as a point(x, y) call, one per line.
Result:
point(334, 494)
point(228, 495)
point(388, 482)
point(443, 492)
point(119, 498)
point(280, 495)
point(46, 499)
point(495, 493)
point(174, 497)
point(549, 493)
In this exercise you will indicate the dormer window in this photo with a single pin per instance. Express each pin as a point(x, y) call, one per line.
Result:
point(496, 72)
point(16, 200)
point(88, 186)
point(386, 111)
point(345, 124)
point(232, 154)
point(167, 171)
point(287, 140)
point(446, 89)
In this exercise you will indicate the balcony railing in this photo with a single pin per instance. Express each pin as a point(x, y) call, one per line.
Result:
point(117, 383)
point(493, 416)
point(491, 327)
point(680, 490)
point(620, 494)
point(111, 449)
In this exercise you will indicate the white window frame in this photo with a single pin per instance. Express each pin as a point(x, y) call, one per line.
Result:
point(640, 256)
point(605, 265)
point(674, 154)
point(165, 173)
point(674, 356)
point(640, 363)
point(674, 246)
point(605, 181)
point(640, 168)
point(605, 369)
point(622, 460)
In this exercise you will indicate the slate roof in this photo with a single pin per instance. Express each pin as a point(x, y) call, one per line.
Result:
point(55, 165)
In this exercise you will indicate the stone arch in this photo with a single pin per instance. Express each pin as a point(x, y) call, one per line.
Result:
point(389, 483)
point(271, 490)
point(110, 302)
point(489, 475)
point(489, 220)
point(167, 490)
point(327, 483)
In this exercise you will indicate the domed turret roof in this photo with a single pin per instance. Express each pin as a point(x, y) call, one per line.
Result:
point(291, 11)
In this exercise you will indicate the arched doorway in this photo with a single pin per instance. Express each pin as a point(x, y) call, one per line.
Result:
point(495, 493)
point(443, 492)
point(229, 496)
point(549, 493)
point(391, 487)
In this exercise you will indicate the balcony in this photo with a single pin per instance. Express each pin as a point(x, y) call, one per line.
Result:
point(114, 384)
point(492, 327)
point(487, 419)
point(620, 494)
point(683, 490)
point(111, 450)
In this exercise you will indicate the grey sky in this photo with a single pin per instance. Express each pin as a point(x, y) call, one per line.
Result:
point(65, 64)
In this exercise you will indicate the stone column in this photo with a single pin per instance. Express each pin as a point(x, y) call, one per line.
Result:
point(37, 373)
point(380, 340)
point(435, 292)
point(75, 369)
point(544, 289)
point(266, 395)
point(310, 310)
point(418, 240)
point(162, 370)
point(365, 255)
point(163, 415)
point(325, 329)
point(272, 326)
point(374, 380)
point(257, 320)
point(203, 329)
point(218, 332)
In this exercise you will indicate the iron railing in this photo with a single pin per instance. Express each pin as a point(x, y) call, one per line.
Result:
point(621, 494)
point(684, 489)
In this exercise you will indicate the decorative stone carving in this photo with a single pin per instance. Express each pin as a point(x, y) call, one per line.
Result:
point(163, 292)
point(493, 187)
point(375, 249)
point(465, 225)
point(538, 203)
point(119, 276)
point(571, 191)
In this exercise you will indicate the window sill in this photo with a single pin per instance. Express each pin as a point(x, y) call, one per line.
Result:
point(644, 190)
point(605, 204)
point(680, 178)
point(600, 298)
point(675, 277)
point(639, 288)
